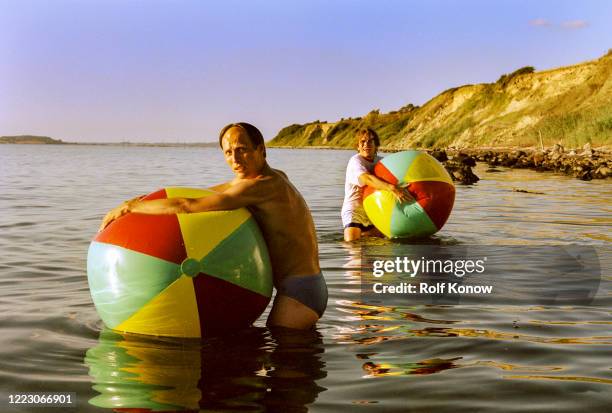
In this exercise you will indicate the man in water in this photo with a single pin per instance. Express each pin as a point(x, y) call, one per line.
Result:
point(359, 174)
point(282, 215)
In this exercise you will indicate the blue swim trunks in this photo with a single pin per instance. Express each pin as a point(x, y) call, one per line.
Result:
point(310, 290)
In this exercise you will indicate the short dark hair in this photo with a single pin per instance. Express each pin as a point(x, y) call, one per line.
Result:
point(252, 132)
point(370, 134)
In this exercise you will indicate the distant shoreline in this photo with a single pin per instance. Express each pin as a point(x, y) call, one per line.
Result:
point(586, 163)
point(10, 140)
point(45, 140)
point(132, 144)
point(501, 149)
point(471, 150)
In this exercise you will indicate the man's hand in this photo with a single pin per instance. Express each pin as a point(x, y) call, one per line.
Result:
point(118, 212)
point(110, 217)
point(401, 194)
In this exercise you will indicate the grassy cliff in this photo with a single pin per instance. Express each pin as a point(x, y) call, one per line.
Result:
point(30, 139)
point(569, 105)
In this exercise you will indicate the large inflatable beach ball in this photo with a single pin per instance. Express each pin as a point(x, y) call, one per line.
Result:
point(182, 275)
point(429, 184)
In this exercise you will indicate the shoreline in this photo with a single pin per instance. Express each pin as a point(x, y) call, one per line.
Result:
point(131, 144)
point(501, 149)
point(586, 163)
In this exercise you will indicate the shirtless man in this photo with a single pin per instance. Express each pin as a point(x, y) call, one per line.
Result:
point(282, 215)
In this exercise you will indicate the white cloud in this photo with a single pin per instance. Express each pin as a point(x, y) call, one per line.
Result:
point(574, 24)
point(539, 22)
point(567, 25)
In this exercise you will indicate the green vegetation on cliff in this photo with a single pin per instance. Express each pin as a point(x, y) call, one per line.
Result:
point(569, 105)
point(30, 139)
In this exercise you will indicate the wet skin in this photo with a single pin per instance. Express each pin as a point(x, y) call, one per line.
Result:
point(278, 208)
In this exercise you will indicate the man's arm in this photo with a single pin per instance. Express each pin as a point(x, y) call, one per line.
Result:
point(401, 194)
point(220, 187)
point(235, 196)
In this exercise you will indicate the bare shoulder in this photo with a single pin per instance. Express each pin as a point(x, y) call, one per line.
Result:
point(245, 184)
point(281, 173)
point(258, 187)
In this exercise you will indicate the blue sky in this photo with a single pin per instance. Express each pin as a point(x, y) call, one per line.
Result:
point(177, 71)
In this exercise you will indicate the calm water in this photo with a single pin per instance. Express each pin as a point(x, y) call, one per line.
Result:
point(362, 357)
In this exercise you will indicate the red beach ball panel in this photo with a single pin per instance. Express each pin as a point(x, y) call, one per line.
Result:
point(217, 313)
point(164, 239)
point(436, 198)
point(381, 171)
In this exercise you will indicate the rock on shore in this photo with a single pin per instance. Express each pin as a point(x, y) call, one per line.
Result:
point(459, 166)
point(585, 164)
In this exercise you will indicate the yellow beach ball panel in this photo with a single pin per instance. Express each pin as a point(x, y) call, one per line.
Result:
point(428, 182)
point(180, 275)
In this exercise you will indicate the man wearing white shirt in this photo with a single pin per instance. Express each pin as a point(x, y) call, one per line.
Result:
point(359, 173)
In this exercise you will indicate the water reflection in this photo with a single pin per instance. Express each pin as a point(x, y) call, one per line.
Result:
point(252, 370)
point(403, 338)
point(429, 366)
point(382, 323)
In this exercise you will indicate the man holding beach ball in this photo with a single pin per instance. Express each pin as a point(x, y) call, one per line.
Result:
point(359, 174)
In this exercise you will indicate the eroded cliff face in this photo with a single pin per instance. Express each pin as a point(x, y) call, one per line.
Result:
point(569, 105)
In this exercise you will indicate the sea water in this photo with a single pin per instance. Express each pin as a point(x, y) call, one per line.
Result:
point(367, 354)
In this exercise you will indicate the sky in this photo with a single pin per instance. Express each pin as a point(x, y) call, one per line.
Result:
point(178, 71)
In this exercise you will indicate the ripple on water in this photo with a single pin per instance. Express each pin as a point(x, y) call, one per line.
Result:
point(381, 358)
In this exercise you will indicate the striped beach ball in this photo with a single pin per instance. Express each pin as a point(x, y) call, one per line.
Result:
point(182, 275)
point(429, 184)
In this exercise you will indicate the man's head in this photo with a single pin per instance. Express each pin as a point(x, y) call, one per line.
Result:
point(243, 149)
point(367, 143)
